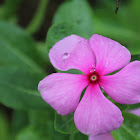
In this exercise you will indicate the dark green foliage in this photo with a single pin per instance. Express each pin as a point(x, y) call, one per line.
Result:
point(20, 69)
point(65, 124)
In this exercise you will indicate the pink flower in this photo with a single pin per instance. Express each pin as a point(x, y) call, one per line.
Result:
point(96, 58)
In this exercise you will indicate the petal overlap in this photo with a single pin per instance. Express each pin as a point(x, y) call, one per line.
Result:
point(72, 52)
point(95, 114)
point(62, 91)
point(110, 55)
point(124, 86)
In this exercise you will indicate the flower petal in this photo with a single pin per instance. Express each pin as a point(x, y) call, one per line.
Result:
point(106, 136)
point(72, 52)
point(110, 55)
point(135, 111)
point(62, 91)
point(124, 86)
point(95, 114)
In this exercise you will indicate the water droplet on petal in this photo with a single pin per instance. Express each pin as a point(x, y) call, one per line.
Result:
point(92, 70)
point(66, 55)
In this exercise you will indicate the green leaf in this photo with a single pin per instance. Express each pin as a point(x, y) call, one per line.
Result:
point(41, 117)
point(28, 134)
point(65, 124)
point(130, 128)
point(122, 27)
point(43, 50)
point(80, 136)
point(129, 19)
point(76, 12)
point(135, 57)
point(134, 106)
point(61, 30)
point(40, 132)
point(20, 43)
point(19, 121)
point(40, 127)
point(20, 69)
point(125, 36)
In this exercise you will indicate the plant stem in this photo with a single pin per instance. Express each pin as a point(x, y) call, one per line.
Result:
point(38, 18)
point(71, 137)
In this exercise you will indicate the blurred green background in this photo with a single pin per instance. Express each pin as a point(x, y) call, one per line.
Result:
point(28, 29)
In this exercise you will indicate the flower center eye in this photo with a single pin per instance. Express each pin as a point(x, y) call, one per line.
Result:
point(94, 77)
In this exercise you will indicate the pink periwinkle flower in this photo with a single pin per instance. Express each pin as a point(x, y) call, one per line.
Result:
point(96, 58)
